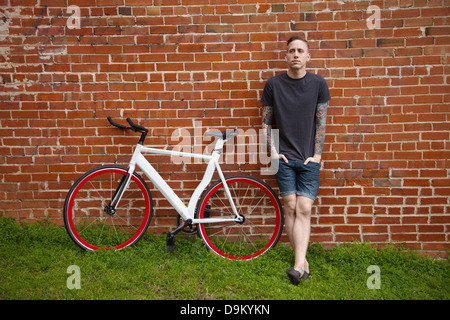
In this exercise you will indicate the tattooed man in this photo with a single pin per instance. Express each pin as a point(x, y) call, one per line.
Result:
point(296, 104)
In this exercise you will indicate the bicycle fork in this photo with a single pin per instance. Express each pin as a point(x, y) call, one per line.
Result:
point(111, 207)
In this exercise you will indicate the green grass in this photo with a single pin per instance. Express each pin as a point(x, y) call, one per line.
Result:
point(34, 261)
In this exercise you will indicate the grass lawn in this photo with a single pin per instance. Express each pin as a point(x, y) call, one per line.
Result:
point(34, 260)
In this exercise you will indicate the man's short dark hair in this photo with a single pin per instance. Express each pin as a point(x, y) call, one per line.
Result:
point(293, 38)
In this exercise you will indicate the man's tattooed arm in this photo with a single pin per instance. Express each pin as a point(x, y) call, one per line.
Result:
point(321, 115)
point(267, 118)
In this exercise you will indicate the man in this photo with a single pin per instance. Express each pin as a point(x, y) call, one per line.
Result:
point(296, 103)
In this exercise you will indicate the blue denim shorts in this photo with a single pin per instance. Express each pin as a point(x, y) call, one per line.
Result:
point(296, 178)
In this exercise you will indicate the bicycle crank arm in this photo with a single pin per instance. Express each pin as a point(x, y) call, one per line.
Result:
point(171, 235)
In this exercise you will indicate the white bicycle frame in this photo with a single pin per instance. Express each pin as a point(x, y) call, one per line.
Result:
point(186, 212)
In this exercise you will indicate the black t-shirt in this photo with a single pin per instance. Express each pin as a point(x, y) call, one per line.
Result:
point(294, 103)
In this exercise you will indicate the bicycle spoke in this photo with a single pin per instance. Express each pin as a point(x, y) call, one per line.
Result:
point(224, 205)
point(89, 224)
point(226, 238)
point(99, 236)
point(255, 206)
point(95, 189)
point(221, 227)
point(237, 197)
point(115, 231)
point(130, 202)
point(126, 222)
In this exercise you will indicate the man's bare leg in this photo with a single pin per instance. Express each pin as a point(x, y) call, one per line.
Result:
point(297, 214)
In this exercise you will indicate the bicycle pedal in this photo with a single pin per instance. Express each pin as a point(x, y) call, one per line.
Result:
point(170, 242)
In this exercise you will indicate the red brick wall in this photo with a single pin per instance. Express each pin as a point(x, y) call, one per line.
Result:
point(170, 63)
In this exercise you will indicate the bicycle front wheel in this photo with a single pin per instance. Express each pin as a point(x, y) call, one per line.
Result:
point(262, 212)
point(93, 223)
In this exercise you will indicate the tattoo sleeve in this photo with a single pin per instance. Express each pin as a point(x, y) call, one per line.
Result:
point(321, 115)
point(267, 118)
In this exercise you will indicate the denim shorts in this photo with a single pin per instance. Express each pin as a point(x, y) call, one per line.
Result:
point(296, 178)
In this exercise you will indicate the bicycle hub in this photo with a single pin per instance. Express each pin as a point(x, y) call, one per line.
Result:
point(110, 210)
point(241, 219)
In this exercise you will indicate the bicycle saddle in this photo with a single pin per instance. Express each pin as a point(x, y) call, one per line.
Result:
point(224, 135)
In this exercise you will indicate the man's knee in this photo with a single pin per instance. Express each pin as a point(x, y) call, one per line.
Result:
point(304, 207)
point(289, 204)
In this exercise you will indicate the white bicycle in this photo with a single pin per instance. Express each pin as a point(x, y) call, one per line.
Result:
point(238, 217)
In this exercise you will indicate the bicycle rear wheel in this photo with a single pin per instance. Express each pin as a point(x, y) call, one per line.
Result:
point(90, 220)
point(262, 212)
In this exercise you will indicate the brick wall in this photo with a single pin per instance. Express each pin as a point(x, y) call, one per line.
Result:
point(174, 64)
